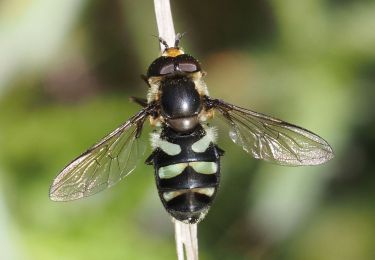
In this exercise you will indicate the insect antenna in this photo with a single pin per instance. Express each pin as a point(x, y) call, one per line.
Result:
point(178, 39)
point(162, 41)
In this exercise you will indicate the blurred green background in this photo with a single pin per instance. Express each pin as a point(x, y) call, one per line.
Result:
point(68, 67)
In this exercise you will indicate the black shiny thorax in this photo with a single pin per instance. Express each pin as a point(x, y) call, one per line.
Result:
point(179, 97)
point(173, 85)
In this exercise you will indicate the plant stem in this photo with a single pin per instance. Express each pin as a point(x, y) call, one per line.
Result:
point(185, 234)
point(164, 22)
point(186, 238)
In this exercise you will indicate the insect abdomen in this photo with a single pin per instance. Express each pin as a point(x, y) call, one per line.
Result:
point(187, 172)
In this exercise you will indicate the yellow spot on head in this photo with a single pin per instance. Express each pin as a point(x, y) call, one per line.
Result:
point(173, 52)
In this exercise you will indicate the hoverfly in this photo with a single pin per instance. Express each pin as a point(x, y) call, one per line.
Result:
point(185, 155)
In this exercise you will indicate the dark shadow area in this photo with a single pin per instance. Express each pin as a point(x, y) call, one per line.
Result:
point(237, 24)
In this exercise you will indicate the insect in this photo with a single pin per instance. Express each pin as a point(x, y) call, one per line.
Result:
point(185, 155)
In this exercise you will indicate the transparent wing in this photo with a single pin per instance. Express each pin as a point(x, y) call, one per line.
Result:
point(272, 139)
point(103, 165)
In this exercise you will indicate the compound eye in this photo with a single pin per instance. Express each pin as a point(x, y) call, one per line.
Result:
point(166, 69)
point(161, 66)
point(188, 67)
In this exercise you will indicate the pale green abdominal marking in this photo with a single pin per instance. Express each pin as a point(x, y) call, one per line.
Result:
point(205, 191)
point(169, 148)
point(169, 195)
point(173, 170)
point(201, 145)
point(204, 167)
